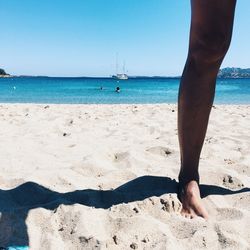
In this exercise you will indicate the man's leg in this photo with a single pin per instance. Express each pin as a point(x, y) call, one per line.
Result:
point(210, 36)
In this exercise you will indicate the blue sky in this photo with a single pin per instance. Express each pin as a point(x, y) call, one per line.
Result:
point(82, 37)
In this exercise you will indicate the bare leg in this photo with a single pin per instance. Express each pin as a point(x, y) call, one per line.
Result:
point(210, 36)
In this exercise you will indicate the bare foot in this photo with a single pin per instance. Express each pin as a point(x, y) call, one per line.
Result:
point(191, 201)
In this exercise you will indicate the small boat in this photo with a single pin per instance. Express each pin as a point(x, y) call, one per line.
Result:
point(120, 76)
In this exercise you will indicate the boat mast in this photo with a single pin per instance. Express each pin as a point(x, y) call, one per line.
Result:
point(124, 64)
point(116, 64)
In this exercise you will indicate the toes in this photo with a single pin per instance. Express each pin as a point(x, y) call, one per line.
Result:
point(193, 216)
point(194, 213)
point(186, 214)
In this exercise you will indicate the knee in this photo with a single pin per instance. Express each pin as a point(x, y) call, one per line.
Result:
point(209, 48)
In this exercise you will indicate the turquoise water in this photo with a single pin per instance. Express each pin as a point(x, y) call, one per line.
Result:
point(84, 90)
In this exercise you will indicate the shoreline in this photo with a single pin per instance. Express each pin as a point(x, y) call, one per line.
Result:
point(110, 104)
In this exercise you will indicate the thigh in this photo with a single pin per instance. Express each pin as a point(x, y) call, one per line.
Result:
point(212, 22)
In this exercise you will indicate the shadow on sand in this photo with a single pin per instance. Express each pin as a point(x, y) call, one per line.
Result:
point(17, 202)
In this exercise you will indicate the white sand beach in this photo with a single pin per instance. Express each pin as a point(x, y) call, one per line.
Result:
point(103, 177)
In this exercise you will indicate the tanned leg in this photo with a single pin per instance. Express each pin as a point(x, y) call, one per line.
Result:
point(210, 36)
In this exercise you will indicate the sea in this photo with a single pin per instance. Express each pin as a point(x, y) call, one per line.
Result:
point(60, 90)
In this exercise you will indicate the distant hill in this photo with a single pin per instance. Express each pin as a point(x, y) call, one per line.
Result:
point(234, 73)
point(2, 72)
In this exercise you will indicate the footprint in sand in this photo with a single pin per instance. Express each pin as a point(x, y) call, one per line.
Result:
point(65, 221)
point(184, 229)
point(232, 182)
point(159, 150)
point(121, 156)
point(89, 242)
point(224, 240)
point(228, 214)
point(169, 204)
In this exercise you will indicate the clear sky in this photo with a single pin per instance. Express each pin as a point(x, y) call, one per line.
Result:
point(82, 37)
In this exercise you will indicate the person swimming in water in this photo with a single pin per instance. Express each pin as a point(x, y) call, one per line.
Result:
point(118, 89)
point(210, 37)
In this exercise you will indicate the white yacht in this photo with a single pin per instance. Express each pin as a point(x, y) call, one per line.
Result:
point(120, 76)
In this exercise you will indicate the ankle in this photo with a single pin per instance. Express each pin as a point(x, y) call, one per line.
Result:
point(191, 188)
point(185, 178)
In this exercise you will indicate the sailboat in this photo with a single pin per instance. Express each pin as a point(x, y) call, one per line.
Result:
point(120, 76)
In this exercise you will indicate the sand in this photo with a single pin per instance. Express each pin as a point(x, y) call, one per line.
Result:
point(103, 177)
